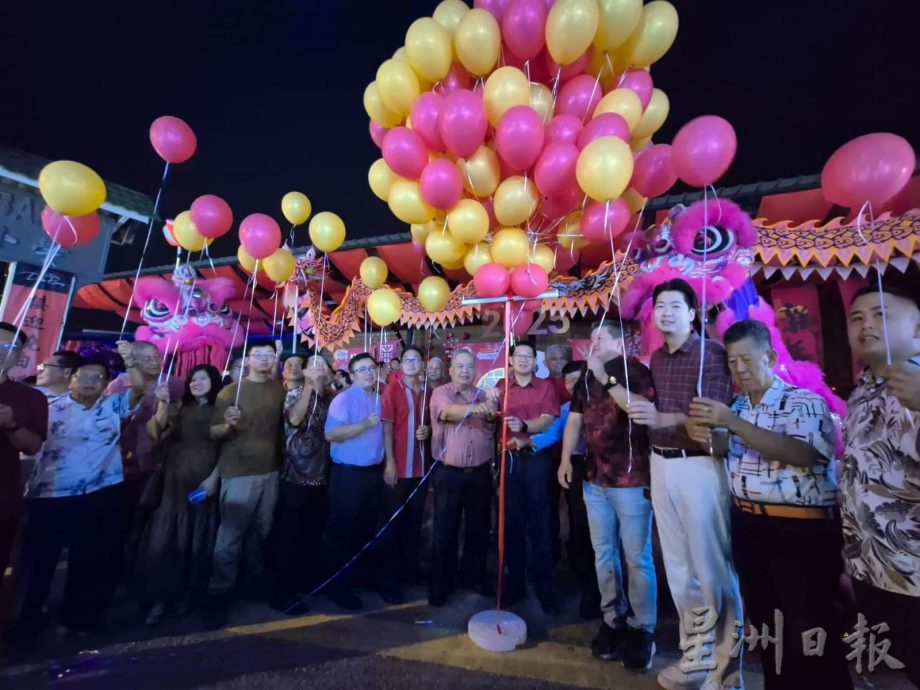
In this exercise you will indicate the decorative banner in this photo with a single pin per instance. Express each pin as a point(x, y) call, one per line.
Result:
point(798, 317)
point(383, 353)
point(43, 321)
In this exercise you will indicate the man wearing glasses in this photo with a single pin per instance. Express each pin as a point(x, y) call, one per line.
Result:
point(533, 405)
point(356, 477)
point(54, 374)
point(23, 427)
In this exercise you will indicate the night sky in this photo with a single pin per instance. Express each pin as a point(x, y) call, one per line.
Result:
point(274, 90)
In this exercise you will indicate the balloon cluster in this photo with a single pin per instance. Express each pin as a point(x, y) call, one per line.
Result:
point(521, 127)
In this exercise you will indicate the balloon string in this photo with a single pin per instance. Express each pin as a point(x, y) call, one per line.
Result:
point(699, 378)
point(236, 325)
point(274, 314)
point(252, 295)
point(867, 208)
point(296, 314)
point(383, 342)
point(597, 83)
point(140, 263)
point(502, 469)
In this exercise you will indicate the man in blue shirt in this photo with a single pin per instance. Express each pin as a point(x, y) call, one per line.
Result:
point(356, 476)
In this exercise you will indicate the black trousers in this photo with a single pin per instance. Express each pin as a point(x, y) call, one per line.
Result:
point(92, 528)
point(793, 565)
point(300, 519)
point(467, 493)
point(902, 614)
point(354, 504)
point(8, 528)
point(528, 513)
point(399, 544)
point(581, 553)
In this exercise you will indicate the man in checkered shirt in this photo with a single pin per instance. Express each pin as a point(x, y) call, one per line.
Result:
point(690, 495)
point(786, 534)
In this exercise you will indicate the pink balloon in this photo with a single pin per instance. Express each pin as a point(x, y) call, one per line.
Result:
point(519, 136)
point(703, 149)
point(604, 125)
point(378, 132)
point(440, 184)
point(570, 71)
point(496, 8)
point(566, 259)
point(172, 139)
point(260, 235)
point(463, 123)
point(554, 172)
point(873, 168)
point(425, 113)
point(523, 27)
point(579, 97)
point(638, 81)
point(601, 222)
point(653, 172)
point(554, 207)
point(563, 129)
point(529, 280)
point(69, 231)
point(457, 78)
point(168, 234)
point(492, 280)
point(211, 215)
point(405, 152)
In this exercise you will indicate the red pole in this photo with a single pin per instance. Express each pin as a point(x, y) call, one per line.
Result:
point(504, 453)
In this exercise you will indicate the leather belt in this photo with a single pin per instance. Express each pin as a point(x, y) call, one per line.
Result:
point(671, 453)
point(782, 510)
point(466, 470)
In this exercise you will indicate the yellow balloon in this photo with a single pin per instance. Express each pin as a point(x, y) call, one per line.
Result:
point(398, 86)
point(478, 255)
point(444, 248)
point(544, 257)
point(633, 199)
point(638, 144)
point(381, 178)
point(601, 63)
point(468, 221)
point(383, 306)
point(541, 100)
point(327, 231)
point(448, 14)
point(280, 265)
point(375, 108)
point(481, 172)
point(618, 19)
point(604, 168)
point(296, 207)
point(186, 233)
point(654, 116)
point(429, 48)
point(454, 265)
point(569, 236)
point(515, 200)
point(420, 231)
point(433, 293)
point(246, 260)
point(570, 28)
point(478, 42)
point(654, 35)
point(401, 54)
point(373, 272)
point(510, 247)
point(407, 204)
point(505, 88)
point(624, 102)
point(71, 188)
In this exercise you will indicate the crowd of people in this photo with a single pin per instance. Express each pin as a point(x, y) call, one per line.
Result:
point(194, 492)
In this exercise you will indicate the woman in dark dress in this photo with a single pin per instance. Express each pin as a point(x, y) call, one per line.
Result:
point(174, 556)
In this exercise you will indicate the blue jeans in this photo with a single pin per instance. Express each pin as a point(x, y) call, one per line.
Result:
point(624, 515)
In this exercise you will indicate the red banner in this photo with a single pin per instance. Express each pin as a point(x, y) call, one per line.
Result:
point(798, 318)
point(43, 320)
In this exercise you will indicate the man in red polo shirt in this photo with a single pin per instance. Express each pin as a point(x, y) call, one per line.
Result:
point(532, 406)
point(406, 428)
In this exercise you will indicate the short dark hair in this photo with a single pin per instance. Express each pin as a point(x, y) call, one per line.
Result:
point(576, 365)
point(299, 355)
point(409, 348)
point(524, 343)
point(609, 325)
point(216, 383)
point(749, 328)
point(253, 346)
point(358, 357)
point(676, 285)
point(18, 333)
point(97, 361)
point(345, 375)
point(892, 286)
point(69, 359)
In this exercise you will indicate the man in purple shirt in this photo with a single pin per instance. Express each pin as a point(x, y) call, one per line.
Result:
point(690, 496)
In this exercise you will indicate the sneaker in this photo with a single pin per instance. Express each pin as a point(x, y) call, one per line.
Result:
point(608, 643)
point(437, 595)
point(346, 599)
point(673, 678)
point(547, 600)
point(639, 650)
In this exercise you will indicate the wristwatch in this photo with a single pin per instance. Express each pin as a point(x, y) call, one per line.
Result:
point(611, 382)
point(524, 426)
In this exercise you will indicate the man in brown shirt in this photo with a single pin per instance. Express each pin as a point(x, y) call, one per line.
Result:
point(463, 440)
point(247, 468)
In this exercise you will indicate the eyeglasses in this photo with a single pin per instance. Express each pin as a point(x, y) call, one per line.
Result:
point(91, 378)
point(364, 370)
point(411, 360)
point(45, 365)
point(522, 356)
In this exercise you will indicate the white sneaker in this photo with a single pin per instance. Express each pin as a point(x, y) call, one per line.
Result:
point(673, 678)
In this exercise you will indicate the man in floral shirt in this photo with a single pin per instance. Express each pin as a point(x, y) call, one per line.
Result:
point(880, 486)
